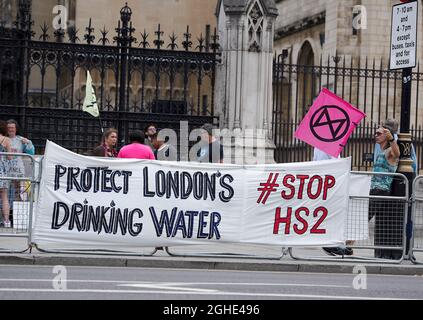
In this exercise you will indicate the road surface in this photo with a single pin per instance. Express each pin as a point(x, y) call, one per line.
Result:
point(93, 283)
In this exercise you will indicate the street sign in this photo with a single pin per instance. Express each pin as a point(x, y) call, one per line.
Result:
point(404, 36)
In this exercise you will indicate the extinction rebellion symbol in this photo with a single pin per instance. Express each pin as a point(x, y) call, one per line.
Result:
point(330, 124)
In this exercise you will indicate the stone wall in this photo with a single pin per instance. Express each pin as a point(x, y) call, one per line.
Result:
point(173, 15)
point(373, 42)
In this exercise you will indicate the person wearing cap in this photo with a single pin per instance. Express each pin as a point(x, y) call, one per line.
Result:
point(211, 150)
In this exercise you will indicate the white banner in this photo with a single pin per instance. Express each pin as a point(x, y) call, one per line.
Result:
point(92, 203)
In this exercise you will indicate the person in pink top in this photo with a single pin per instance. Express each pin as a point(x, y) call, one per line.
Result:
point(137, 149)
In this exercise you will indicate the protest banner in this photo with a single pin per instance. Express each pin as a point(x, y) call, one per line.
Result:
point(93, 203)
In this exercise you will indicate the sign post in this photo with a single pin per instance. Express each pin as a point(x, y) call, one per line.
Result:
point(404, 56)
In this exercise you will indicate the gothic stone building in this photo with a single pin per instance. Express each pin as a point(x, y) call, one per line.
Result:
point(355, 33)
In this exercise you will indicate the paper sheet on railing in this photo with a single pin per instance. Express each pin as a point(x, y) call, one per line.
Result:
point(92, 203)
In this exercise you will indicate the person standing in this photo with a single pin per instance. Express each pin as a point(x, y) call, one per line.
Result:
point(19, 144)
point(211, 150)
point(393, 126)
point(107, 149)
point(320, 155)
point(22, 145)
point(164, 151)
point(386, 224)
point(150, 131)
point(5, 147)
point(137, 149)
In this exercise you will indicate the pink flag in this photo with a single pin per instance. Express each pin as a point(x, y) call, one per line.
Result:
point(329, 123)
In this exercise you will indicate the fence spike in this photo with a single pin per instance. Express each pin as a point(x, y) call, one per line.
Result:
point(117, 38)
point(73, 34)
point(159, 42)
point(215, 41)
point(144, 41)
point(201, 41)
point(131, 39)
point(187, 44)
point(44, 36)
point(89, 37)
point(104, 34)
point(173, 39)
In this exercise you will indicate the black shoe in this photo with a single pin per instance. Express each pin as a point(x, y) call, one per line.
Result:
point(330, 251)
point(339, 251)
point(347, 252)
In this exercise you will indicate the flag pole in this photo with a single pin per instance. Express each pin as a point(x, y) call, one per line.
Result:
point(101, 124)
point(90, 103)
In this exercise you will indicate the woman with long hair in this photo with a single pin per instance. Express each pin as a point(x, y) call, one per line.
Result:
point(107, 148)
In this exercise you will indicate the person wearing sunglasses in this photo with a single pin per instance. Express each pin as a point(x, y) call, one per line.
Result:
point(393, 126)
point(385, 220)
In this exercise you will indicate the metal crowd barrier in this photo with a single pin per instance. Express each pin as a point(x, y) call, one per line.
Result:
point(387, 228)
point(385, 217)
point(416, 251)
point(20, 185)
point(275, 253)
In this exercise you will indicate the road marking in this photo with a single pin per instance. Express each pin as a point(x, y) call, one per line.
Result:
point(167, 286)
point(220, 293)
point(141, 283)
point(252, 284)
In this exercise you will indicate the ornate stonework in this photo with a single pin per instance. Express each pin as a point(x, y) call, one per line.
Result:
point(255, 27)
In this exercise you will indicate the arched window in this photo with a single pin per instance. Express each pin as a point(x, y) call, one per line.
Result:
point(306, 80)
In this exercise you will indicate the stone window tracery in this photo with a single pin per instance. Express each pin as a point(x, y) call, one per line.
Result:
point(255, 27)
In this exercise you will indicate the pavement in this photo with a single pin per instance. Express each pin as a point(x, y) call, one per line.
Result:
point(225, 257)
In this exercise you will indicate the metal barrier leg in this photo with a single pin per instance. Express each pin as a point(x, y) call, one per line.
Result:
point(94, 252)
point(349, 259)
point(9, 251)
